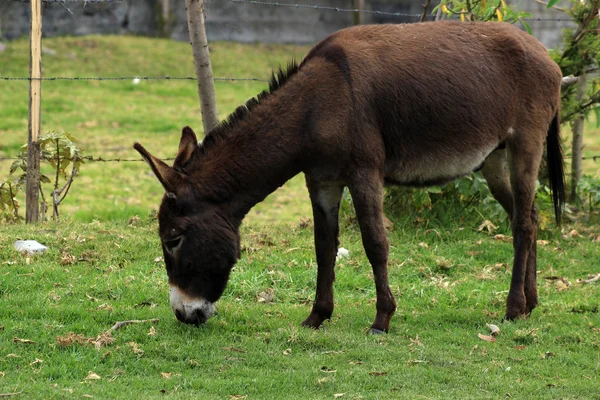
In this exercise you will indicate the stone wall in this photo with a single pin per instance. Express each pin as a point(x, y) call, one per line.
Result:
point(231, 21)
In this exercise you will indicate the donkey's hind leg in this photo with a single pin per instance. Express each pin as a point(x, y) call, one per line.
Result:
point(325, 200)
point(524, 154)
point(367, 195)
point(495, 172)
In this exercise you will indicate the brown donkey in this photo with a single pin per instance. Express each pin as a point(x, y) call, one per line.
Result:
point(417, 104)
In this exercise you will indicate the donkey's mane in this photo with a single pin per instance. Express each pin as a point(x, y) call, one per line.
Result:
point(278, 78)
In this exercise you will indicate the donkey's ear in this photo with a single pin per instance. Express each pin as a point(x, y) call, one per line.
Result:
point(187, 145)
point(169, 178)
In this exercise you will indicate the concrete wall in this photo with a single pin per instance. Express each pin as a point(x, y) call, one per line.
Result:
point(231, 21)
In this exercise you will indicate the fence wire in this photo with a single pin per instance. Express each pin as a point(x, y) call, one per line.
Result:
point(126, 78)
point(288, 5)
point(102, 159)
point(84, 2)
point(357, 10)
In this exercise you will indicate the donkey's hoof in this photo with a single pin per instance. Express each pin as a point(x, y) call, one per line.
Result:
point(374, 331)
point(313, 322)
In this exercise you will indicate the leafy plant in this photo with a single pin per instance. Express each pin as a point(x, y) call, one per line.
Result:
point(483, 10)
point(9, 205)
point(589, 191)
point(60, 151)
point(467, 198)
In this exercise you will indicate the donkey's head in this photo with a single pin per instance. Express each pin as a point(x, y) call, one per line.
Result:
point(200, 245)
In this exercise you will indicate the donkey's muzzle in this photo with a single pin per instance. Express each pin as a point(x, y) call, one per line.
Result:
point(196, 317)
point(188, 309)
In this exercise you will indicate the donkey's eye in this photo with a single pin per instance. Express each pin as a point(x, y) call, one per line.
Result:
point(173, 243)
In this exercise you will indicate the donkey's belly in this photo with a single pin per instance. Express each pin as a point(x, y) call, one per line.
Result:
point(435, 168)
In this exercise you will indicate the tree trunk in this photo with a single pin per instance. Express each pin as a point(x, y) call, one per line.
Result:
point(577, 145)
point(206, 85)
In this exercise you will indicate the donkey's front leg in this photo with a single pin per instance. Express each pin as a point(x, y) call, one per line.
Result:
point(325, 198)
point(367, 196)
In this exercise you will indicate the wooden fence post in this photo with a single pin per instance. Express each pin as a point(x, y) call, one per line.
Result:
point(35, 98)
point(206, 84)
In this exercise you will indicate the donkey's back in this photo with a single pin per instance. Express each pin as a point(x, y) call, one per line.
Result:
point(438, 98)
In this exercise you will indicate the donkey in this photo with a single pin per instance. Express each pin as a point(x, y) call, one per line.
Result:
point(417, 104)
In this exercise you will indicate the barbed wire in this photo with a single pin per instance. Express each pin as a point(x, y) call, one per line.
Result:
point(84, 2)
point(290, 5)
point(101, 159)
point(126, 78)
point(357, 10)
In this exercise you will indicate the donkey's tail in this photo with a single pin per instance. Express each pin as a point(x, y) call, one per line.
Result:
point(556, 173)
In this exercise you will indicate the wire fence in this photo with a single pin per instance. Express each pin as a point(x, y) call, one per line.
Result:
point(356, 10)
point(125, 78)
point(594, 158)
point(288, 5)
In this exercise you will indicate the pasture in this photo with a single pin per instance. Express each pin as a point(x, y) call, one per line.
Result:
point(448, 283)
point(103, 265)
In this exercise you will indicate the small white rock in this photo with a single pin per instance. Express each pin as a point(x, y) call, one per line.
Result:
point(30, 246)
point(342, 253)
point(136, 81)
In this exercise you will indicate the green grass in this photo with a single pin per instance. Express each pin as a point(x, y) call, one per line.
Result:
point(107, 117)
point(97, 274)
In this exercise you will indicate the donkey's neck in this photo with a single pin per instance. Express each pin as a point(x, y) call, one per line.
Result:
point(258, 155)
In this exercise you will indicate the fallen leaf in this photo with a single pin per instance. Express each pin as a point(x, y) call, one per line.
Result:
point(424, 245)
point(328, 370)
point(520, 347)
point(416, 341)
point(486, 338)
point(103, 339)
point(503, 238)
point(377, 373)
point(233, 349)
point(92, 376)
point(321, 381)
point(158, 259)
point(36, 361)
point(487, 225)
point(166, 375)
point(443, 263)
point(238, 397)
point(91, 297)
point(136, 349)
point(152, 331)
point(573, 234)
point(547, 355)
point(105, 307)
point(542, 242)
point(89, 396)
point(494, 329)
point(267, 296)
point(338, 395)
point(287, 352)
point(24, 341)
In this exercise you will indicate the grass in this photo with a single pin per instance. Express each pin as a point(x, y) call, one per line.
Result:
point(107, 117)
point(449, 283)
